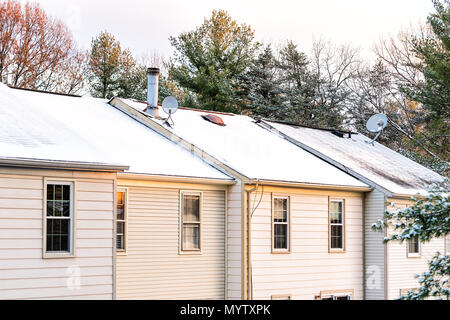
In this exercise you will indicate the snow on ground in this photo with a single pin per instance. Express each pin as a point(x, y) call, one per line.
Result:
point(55, 127)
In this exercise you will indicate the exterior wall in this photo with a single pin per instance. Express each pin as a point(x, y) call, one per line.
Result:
point(234, 242)
point(375, 250)
point(309, 269)
point(24, 273)
point(401, 269)
point(152, 267)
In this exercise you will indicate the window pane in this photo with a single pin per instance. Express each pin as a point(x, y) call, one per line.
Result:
point(191, 208)
point(66, 192)
point(66, 208)
point(191, 236)
point(58, 234)
point(58, 192)
point(50, 191)
point(343, 297)
point(336, 206)
point(280, 210)
point(120, 197)
point(120, 227)
point(336, 237)
point(120, 242)
point(280, 234)
point(335, 217)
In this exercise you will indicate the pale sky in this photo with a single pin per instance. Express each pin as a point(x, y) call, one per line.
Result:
point(145, 26)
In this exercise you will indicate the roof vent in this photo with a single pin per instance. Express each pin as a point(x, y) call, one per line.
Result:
point(214, 119)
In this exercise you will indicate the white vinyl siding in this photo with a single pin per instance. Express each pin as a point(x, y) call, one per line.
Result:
point(24, 274)
point(153, 267)
point(234, 241)
point(447, 244)
point(375, 249)
point(310, 268)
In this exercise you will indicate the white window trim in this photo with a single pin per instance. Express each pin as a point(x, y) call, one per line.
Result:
point(281, 297)
point(122, 252)
point(413, 254)
point(330, 249)
point(336, 293)
point(72, 252)
point(288, 249)
point(180, 227)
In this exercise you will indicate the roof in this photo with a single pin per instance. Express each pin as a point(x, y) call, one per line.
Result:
point(251, 150)
point(384, 167)
point(37, 125)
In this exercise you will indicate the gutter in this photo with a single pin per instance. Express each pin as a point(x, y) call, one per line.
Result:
point(60, 164)
point(170, 178)
point(309, 185)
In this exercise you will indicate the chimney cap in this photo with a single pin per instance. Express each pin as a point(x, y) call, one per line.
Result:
point(153, 70)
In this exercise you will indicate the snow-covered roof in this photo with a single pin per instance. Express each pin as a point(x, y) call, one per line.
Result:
point(379, 164)
point(36, 125)
point(251, 150)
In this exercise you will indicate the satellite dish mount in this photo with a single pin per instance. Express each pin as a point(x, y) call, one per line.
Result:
point(170, 106)
point(376, 124)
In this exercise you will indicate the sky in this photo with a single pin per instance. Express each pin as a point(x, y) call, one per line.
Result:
point(145, 26)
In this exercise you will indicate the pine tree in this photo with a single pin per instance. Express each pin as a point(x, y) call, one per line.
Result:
point(208, 60)
point(259, 89)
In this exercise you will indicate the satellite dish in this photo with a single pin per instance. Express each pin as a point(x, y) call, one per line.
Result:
point(170, 105)
point(376, 124)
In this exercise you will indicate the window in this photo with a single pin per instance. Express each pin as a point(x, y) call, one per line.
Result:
point(337, 296)
point(59, 217)
point(413, 247)
point(336, 217)
point(121, 216)
point(190, 221)
point(280, 227)
point(282, 297)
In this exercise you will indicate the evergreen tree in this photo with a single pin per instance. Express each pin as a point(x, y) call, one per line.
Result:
point(259, 87)
point(434, 91)
point(208, 60)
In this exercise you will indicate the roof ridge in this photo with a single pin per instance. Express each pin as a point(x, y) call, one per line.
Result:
point(44, 91)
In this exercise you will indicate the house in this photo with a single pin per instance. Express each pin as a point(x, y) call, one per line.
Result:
point(294, 221)
point(389, 268)
point(72, 227)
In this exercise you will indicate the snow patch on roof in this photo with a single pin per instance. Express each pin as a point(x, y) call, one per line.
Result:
point(54, 127)
point(378, 163)
point(251, 150)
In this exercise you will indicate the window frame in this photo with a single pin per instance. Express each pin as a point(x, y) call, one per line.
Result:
point(72, 241)
point(413, 254)
point(336, 293)
point(289, 225)
point(125, 221)
point(343, 224)
point(182, 251)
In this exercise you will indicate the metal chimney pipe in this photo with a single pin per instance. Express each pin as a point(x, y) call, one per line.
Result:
point(152, 91)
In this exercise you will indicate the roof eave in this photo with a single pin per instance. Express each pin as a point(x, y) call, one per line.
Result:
point(61, 164)
point(309, 185)
point(174, 178)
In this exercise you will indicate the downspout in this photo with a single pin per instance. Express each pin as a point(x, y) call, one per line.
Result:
point(249, 255)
